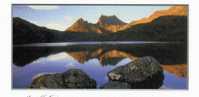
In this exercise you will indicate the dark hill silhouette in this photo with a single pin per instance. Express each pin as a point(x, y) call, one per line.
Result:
point(26, 32)
point(165, 28)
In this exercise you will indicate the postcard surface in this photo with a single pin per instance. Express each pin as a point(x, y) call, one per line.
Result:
point(99, 46)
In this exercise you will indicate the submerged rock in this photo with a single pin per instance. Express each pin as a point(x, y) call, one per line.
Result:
point(143, 73)
point(116, 85)
point(73, 78)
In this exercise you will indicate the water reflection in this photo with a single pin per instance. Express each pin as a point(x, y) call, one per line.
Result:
point(96, 60)
point(22, 76)
point(165, 53)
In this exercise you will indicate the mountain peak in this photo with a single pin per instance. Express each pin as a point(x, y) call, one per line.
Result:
point(80, 21)
point(105, 16)
point(111, 23)
point(104, 24)
point(82, 25)
point(113, 19)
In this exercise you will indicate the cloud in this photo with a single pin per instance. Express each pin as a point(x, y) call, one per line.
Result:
point(34, 22)
point(55, 26)
point(43, 7)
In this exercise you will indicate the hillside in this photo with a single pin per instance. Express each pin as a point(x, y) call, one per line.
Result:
point(172, 11)
point(164, 28)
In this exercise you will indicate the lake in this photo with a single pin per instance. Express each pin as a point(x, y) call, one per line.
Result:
point(94, 58)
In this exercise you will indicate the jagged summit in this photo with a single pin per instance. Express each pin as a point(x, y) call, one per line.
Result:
point(105, 24)
point(81, 20)
point(109, 20)
point(111, 23)
point(82, 25)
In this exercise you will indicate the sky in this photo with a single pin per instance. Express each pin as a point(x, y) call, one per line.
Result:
point(60, 17)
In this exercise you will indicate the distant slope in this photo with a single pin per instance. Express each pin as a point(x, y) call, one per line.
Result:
point(172, 11)
point(164, 28)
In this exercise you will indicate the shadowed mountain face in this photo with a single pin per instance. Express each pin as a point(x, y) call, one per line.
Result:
point(23, 30)
point(26, 32)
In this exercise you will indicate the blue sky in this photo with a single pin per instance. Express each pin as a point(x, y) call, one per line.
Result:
point(60, 17)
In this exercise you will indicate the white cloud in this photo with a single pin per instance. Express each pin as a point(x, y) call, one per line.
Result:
point(55, 26)
point(35, 22)
point(43, 7)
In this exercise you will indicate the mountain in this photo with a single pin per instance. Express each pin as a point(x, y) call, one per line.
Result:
point(164, 28)
point(110, 23)
point(83, 26)
point(105, 24)
point(27, 32)
point(170, 25)
point(172, 11)
point(163, 25)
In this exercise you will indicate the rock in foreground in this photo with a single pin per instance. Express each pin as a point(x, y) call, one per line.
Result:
point(73, 78)
point(48, 81)
point(142, 73)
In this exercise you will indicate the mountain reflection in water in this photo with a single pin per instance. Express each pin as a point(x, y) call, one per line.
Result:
point(22, 77)
point(96, 60)
point(166, 53)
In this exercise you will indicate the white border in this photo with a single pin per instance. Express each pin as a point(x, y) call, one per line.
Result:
point(101, 1)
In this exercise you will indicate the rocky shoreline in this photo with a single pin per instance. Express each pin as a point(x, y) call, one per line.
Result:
point(142, 73)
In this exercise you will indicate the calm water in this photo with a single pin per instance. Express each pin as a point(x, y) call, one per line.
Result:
point(96, 60)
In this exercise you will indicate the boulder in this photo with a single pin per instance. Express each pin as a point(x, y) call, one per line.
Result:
point(48, 81)
point(142, 73)
point(116, 85)
point(73, 78)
